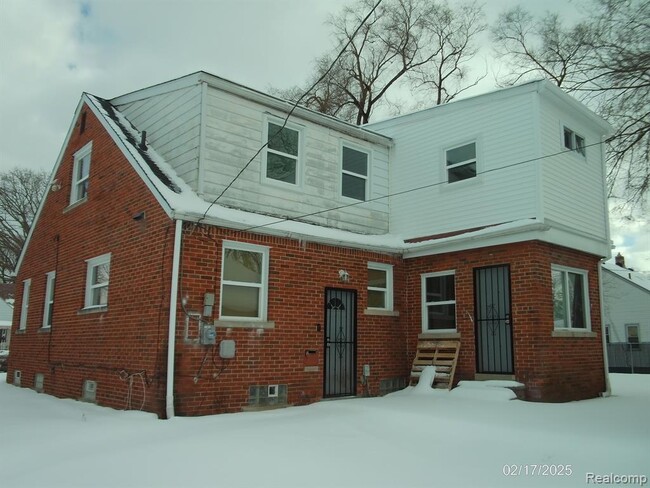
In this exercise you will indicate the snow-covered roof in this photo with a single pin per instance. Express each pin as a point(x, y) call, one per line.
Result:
point(636, 277)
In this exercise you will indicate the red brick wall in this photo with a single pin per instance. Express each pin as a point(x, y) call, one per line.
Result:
point(552, 368)
point(130, 336)
point(298, 275)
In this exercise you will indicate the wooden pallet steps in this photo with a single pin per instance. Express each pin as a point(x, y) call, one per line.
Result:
point(443, 354)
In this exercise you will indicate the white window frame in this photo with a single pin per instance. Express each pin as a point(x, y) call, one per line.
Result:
point(365, 177)
point(24, 307)
point(565, 270)
point(50, 282)
point(77, 182)
point(388, 291)
point(425, 304)
point(576, 141)
point(462, 163)
point(90, 286)
point(633, 345)
point(267, 150)
point(263, 286)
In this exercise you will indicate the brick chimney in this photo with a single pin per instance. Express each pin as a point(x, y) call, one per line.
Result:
point(620, 260)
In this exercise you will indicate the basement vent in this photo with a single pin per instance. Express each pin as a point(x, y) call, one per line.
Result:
point(266, 395)
point(390, 385)
point(89, 392)
point(17, 377)
point(39, 381)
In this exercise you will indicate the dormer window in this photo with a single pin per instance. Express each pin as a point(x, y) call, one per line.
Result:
point(81, 173)
point(282, 154)
point(573, 141)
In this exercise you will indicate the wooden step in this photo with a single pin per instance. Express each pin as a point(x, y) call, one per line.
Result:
point(442, 354)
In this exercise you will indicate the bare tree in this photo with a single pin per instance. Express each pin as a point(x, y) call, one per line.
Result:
point(21, 191)
point(605, 61)
point(417, 40)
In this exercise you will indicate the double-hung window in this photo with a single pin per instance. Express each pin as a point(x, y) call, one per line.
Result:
point(281, 162)
point(354, 183)
point(461, 162)
point(573, 141)
point(48, 306)
point(380, 286)
point(27, 284)
point(439, 301)
point(97, 279)
point(570, 298)
point(244, 281)
point(632, 332)
point(81, 173)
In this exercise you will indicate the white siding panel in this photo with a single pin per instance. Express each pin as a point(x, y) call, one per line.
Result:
point(503, 191)
point(172, 121)
point(625, 303)
point(234, 133)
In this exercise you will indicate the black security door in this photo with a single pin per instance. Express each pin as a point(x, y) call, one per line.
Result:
point(340, 343)
point(493, 326)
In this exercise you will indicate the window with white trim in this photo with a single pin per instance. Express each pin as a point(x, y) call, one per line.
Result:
point(81, 173)
point(48, 306)
point(97, 279)
point(282, 154)
point(632, 332)
point(439, 301)
point(573, 141)
point(461, 162)
point(244, 281)
point(354, 178)
point(570, 298)
point(27, 284)
point(380, 286)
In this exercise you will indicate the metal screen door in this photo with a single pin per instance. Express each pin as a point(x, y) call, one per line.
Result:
point(340, 343)
point(493, 325)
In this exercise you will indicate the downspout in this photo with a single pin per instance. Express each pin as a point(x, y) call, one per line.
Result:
point(172, 320)
point(608, 389)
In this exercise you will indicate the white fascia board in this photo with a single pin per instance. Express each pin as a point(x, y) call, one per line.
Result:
point(49, 184)
point(158, 89)
point(130, 156)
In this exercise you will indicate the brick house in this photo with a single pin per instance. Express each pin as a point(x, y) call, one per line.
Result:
point(175, 266)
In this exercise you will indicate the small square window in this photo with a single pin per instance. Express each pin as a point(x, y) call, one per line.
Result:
point(81, 173)
point(574, 142)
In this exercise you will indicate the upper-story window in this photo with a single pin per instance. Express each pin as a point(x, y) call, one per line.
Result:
point(97, 278)
point(570, 298)
point(48, 305)
point(244, 281)
point(461, 162)
point(573, 141)
point(282, 155)
point(354, 183)
point(380, 286)
point(25, 305)
point(439, 301)
point(81, 173)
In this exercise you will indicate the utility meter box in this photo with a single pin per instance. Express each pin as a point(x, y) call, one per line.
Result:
point(227, 349)
point(208, 334)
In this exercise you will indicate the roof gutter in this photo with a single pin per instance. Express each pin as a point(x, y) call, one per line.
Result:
point(173, 299)
point(608, 386)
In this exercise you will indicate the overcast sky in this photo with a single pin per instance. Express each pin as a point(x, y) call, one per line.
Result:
point(53, 50)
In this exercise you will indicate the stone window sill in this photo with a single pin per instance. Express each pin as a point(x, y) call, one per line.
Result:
point(75, 204)
point(378, 311)
point(573, 333)
point(44, 330)
point(439, 335)
point(244, 324)
point(86, 311)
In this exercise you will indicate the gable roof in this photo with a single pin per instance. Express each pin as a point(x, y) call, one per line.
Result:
point(635, 278)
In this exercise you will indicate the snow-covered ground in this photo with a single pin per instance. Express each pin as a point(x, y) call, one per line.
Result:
point(468, 437)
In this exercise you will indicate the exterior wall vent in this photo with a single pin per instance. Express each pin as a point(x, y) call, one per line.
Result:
point(89, 393)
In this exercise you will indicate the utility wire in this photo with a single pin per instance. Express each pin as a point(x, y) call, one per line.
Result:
point(293, 108)
point(410, 190)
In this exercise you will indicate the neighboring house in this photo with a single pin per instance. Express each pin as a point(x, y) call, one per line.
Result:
point(6, 314)
point(165, 272)
point(626, 299)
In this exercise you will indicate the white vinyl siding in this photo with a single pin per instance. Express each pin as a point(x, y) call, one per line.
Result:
point(24, 309)
point(48, 305)
point(81, 173)
point(97, 280)
point(244, 281)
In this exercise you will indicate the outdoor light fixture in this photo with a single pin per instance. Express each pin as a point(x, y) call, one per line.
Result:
point(344, 276)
